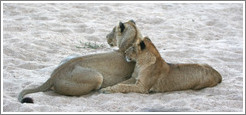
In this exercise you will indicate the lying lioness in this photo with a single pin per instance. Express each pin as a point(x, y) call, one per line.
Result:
point(153, 74)
point(80, 75)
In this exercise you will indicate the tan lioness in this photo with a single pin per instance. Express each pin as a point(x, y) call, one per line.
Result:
point(80, 75)
point(153, 74)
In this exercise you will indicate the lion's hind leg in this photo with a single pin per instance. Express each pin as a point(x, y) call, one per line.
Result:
point(208, 80)
point(205, 81)
point(79, 81)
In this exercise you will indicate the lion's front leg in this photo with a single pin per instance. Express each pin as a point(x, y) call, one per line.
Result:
point(125, 88)
point(131, 80)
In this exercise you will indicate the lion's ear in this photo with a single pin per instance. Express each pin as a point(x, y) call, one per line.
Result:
point(122, 27)
point(142, 45)
point(147, 38)
point(132, 21)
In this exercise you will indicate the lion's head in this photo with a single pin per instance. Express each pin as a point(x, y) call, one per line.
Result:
point(144, 49)
point(124, 35)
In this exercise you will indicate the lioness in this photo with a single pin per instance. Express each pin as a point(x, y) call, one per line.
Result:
point(153, 74)
point(80, 75)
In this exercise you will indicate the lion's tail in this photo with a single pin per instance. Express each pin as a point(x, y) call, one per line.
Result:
point(47, 85)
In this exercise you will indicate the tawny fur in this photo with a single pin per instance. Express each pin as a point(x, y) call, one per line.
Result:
point(80, 75)
point(153, 74)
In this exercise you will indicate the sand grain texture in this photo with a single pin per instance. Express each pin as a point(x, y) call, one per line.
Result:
point(36, 37)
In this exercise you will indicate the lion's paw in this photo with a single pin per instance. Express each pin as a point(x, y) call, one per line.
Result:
point(106, 90)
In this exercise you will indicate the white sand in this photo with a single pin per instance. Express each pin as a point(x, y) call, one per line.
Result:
point(36, 37)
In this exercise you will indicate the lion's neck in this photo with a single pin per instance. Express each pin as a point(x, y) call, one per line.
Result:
point(125, 43)
point(150, 59)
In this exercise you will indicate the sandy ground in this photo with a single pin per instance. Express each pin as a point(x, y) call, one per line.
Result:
point(36, 37)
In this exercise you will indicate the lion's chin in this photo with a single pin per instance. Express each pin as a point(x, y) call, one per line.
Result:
point(128, 59)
